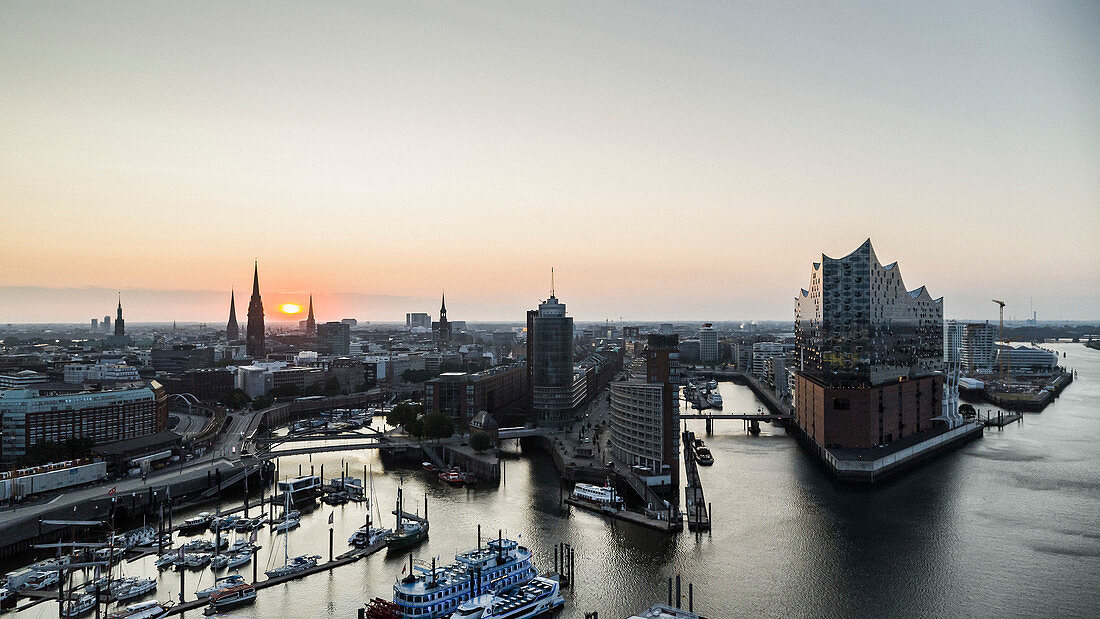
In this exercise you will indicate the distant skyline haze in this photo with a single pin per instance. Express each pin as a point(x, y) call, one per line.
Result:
point(671, 161)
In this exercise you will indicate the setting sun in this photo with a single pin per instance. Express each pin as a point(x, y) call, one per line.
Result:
point(290, 308)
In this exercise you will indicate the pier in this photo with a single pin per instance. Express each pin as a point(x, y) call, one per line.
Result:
point(698, 515)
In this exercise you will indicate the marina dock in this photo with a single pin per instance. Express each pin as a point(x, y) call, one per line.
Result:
point(698, 515)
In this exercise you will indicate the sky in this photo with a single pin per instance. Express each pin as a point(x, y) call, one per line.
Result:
point(670, 160)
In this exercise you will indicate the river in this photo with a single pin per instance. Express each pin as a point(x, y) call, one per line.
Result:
point(1007, 526)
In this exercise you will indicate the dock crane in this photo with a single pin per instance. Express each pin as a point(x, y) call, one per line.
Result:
point(1001, 337)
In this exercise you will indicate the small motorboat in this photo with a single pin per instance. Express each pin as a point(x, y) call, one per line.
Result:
point(238, 594)
point(80, 606)
point(452, 477)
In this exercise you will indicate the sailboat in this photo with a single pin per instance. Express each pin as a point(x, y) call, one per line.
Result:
point(299, 564)
point(408, 532)
point(368, 535)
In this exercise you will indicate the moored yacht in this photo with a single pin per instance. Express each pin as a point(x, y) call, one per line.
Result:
point(80, 606)
point(143, 610)
point(235, 595)
point(219, 585)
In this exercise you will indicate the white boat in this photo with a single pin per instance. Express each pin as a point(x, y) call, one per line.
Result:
point(80, 606)
point(167, 560)
point(222, 583)
point(531, 599)
point(712, 384)
point(238, 594)
point(196, 524)
point(142, 610)
point(714, 399)
point(133, 588)
point(368, 536)
point(41, 580)
point(602, 496)
point(219, 562)
point(198, 559)
point(296, 565)
point(287, 525)
point(238, 559)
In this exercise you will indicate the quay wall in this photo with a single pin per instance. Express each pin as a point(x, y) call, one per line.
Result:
point(875, 471)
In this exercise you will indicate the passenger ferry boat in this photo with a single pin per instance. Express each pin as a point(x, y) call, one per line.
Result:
point(531, 599)
point(601, 496)
point(234, 595)
point(431, 594)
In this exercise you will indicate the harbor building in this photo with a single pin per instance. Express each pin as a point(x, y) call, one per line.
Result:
point(254, 330)
point(31, 417)
point(334, 338)
point(1025, 359)
point(708, 344)
point(557, 388)
point(645, 415)
point(870, 359)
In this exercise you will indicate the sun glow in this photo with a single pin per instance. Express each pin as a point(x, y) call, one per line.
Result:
point(290, 308)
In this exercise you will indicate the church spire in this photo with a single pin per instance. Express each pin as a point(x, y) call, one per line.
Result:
point(254, 336)
point(443, 306)
point(232, 329)
point(311, 324)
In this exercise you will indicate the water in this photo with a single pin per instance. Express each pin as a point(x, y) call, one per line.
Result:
point(1008, 526)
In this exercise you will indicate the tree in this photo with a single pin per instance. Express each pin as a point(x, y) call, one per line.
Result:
point(438, 425)
point(418, 376)
point(480, 441)
point(967, 411)
point(415, 428)
point(235, 399)
point(403, 414)
point(262, 401)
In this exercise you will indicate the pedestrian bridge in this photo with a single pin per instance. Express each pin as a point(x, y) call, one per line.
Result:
point(520, 432)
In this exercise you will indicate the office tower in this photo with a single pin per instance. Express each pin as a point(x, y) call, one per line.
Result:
point(666, 328)
point(708, 344)
point(418, 319)
point(870, 354)
point(255, 328)
point(555, 390)
point(95, 324)
point(311, 324)
point(106, 324)
point(334, 338)
point(232, 329)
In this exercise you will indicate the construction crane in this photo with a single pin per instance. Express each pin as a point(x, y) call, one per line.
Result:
point(1001, 338)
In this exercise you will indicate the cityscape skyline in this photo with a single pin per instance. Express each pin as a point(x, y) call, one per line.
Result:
point(395, 150)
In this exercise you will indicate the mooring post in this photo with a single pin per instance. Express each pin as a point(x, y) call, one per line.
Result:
point(678, 591)
point(691, 600)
